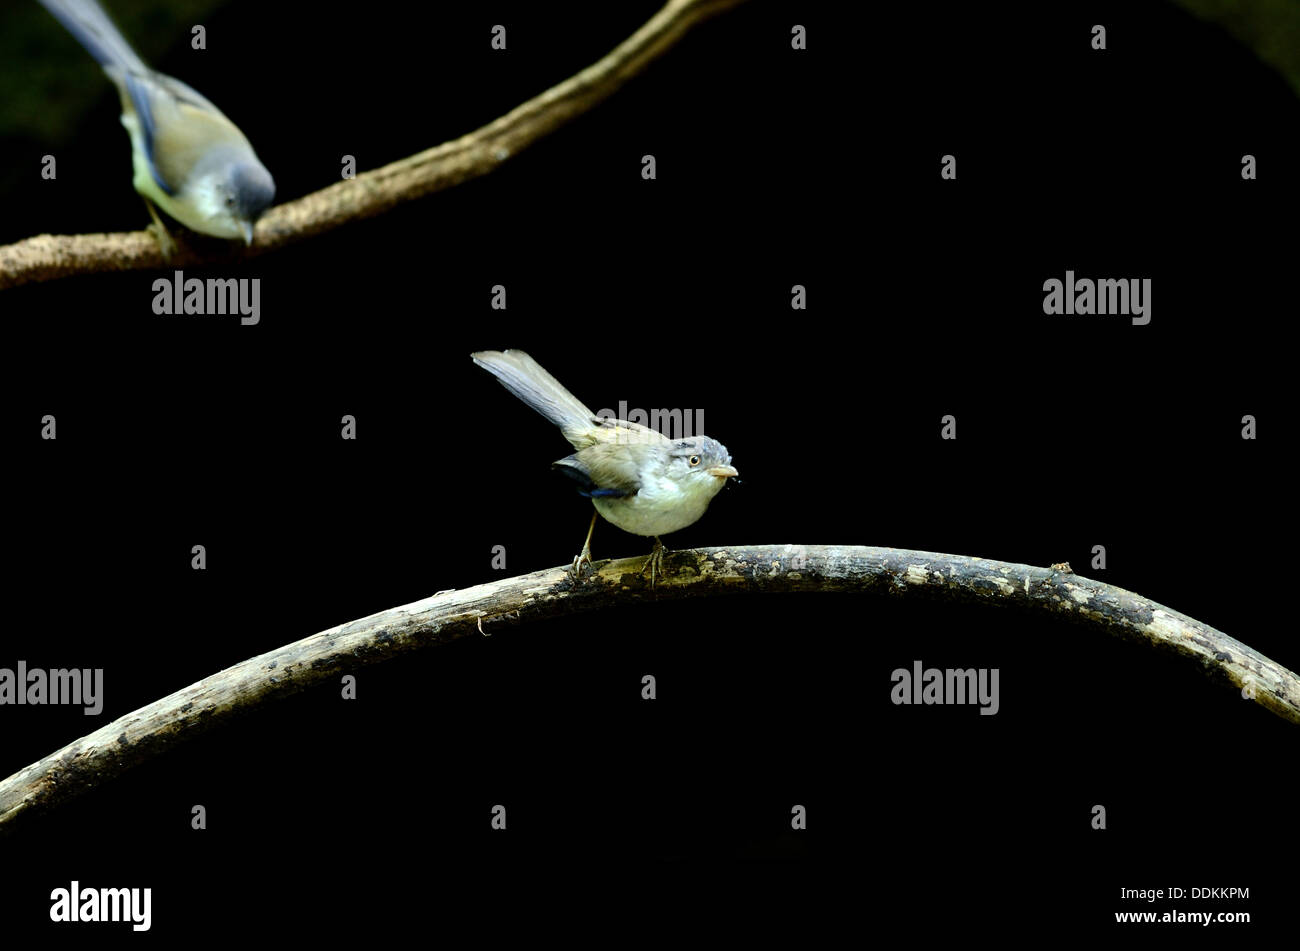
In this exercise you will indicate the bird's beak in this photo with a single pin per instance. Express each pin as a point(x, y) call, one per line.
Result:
point(248, 232)
point(722, 472)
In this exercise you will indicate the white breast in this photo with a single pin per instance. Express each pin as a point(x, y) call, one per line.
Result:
point(659, 508)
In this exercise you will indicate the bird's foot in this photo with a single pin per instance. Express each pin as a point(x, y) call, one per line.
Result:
point(655, 563)
point(583, 557)
point(585, 554)
point(167, 243)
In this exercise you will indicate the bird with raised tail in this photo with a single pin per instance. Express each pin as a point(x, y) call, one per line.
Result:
point(636, 477)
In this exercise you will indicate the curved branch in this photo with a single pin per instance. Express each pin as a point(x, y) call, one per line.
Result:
point(46, 257)
point(449, 615)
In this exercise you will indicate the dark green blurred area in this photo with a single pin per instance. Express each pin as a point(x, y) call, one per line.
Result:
point(47, 81)
point(1269, 27)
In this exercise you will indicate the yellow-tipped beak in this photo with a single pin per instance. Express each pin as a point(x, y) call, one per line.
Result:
point(722, 472)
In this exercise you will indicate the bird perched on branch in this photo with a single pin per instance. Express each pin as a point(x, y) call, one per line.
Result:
point(636, 477)
point(189, 159)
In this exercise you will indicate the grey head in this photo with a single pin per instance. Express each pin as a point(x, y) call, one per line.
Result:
point(700, 461)
point(251, 191)
point(232, 189)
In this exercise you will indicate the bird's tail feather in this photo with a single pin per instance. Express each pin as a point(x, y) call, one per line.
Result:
point(90, 25)
point(525, 378)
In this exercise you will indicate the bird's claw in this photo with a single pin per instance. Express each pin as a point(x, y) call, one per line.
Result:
point(655, 562)
point(582, 557)
point(167, 243)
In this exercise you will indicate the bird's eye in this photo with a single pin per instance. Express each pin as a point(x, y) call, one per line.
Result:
point(230, 201)
point(694, 460)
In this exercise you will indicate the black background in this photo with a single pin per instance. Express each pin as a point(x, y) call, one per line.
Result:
point(775, 168)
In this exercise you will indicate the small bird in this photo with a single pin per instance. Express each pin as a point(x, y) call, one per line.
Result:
point(189, 159)
point(636, 477)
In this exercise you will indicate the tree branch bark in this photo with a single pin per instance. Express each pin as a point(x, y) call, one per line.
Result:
point(449, 615)
point(47, 257)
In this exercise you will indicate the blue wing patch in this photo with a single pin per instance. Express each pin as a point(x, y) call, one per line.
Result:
point(139, 90)
point(573, 467)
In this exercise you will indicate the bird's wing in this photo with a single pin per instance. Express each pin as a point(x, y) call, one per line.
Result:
point(180, 126)
point(577, 470)
point(608, 470)
point(608, 431)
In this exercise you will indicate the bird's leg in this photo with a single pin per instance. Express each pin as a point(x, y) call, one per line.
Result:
point(166, 244)
point(585, 554)
point(656, 561)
